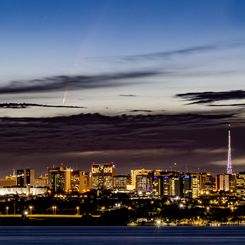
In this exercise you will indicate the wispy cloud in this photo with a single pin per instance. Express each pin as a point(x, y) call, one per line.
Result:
point(140, 111)
point(29, 105)
point(236, 161)
point(211, 97)
point(172, 53)
point(57, 83)
point(210, 151)
point(228, 105)
point(131, 152)
point(127, 95)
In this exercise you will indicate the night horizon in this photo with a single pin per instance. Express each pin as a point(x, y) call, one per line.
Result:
point(122, 122)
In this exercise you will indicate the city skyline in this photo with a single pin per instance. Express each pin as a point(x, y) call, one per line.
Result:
point(140, 83)
point(65, 195)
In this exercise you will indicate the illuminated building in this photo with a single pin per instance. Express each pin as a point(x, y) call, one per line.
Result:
point(207, 183)
point(226, 182)
point(102, 176)
point(85, 182)
point(59, 179)
point(30, 175)
point(25, 177)
point(97, 178)
point(157, 185)
point(120, 182)
point(136, 172)
point(20, 173)
point(167, 183)
point(108, 173)
point(172, 185)
point(191, 185)
point(75, 181)
point(42, 181)
point(176, 186)
point(9, 181)
point(68, 179)
point(80, 181)
point(195, 185)
point(144, 183)
point(240, 184)
point(25, 191)
point(222, 182)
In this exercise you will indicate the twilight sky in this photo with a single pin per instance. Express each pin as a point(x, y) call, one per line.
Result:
point(142, 83)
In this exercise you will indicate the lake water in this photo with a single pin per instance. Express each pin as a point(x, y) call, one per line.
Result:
point(74, 235)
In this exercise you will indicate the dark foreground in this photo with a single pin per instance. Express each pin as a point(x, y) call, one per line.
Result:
point(120, 235)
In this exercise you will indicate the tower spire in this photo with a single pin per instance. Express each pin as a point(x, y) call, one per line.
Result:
point(229, 163)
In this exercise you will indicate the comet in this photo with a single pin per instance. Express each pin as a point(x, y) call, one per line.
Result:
point(64, 97)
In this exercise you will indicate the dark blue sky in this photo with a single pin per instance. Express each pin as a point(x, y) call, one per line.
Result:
point(43, 37)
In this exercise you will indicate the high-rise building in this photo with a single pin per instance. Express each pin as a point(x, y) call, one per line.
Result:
point(144, 183)
point(157, 185)
point(136, 172)
point(68, 171)
point(207, 183)
point(102, 176)
point(222, 182)
point(75, 181)
point(120, 182)
point(25, 177)
point(42, 181)
point(59, 179)
point(80, 181)
point(20, 173)
point(167, 183)
point(240, 184)
point(195, 185)
point(85, 182)
point(226, 182)
point(176, 186)
point(191, 187)
point(108, 173)
point(30, 176)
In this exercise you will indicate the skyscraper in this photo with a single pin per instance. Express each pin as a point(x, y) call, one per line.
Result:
point(229, 163)
point(25, 177)
point(59, 179)
point(102, 176)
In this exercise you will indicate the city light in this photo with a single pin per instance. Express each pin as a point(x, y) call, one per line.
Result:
point(30, 209)
point(78, 209)
point(158, 222)
point(54, 208)
point(150, 192)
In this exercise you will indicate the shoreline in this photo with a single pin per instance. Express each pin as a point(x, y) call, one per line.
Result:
point(79, 220)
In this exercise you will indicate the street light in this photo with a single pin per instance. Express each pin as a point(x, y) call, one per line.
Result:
point(158, 222)
point(30, 208)
point(7, 210)
point(78, 209)
point(25, 213)
point(54, 209)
